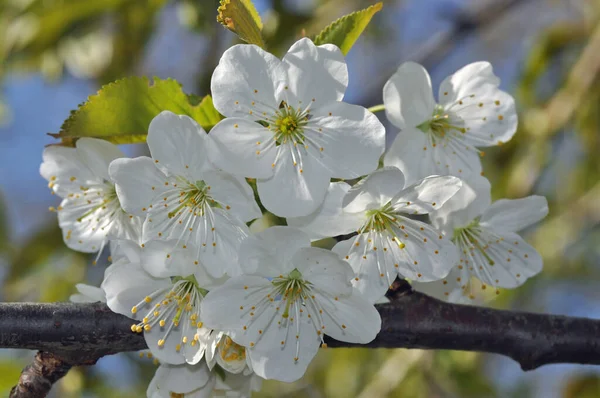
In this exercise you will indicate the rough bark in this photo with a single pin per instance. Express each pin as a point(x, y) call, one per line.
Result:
point(81, 333)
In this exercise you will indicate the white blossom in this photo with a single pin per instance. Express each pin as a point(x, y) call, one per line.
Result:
point(183, 197)
point(443, 138)
point(164, 297)
point(389, 243)
point(491, 253)
point(90, 212)
point(291, 297)
point(286, 124)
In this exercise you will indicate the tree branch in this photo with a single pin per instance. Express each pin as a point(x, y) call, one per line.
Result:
point(80, 334)
point(38, 377)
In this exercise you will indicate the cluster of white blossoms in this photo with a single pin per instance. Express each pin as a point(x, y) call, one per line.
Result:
point(222, 308)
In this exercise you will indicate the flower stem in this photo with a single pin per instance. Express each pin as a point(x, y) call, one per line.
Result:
point(377, 108)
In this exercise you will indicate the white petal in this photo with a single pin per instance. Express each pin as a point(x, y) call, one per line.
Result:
point(375, 191)
point(408, 96)
point(237, 386)
point(270, 252)
point(134, 179)
point(411, 153)
point(490, 117)
point(167, 352)
point(247, 73)
point(127, 285)
point(222, 257)
point(220, 308)
point(97, 155)
point(295, 189)
point(329, 219)
point(375, 269)
point(234, 194)
point(315, 72)
point(466, 81)
point(350, 139)
point(66, 171)
point(427, 255)
point(454, 158)
point(88, 294)
point(448, 289)
point(468, 203)
point(125, 250)
point(160, 260)
point(426, 195)
point(512, 215)
point(84, 234)
point(242, 147)
point(514, 261)
point(352, 318)
point(179, 379)
point(179, 145)
point(126, 227)
point(325, 270)
point(278, 362)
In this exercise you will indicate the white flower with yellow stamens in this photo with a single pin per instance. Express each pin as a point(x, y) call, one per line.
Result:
point(443, 138)
point(389, 243)
point(90, 212)
point(165, 300)
point(182, 196)
point(291, 297)
point(286, 124)
point(485, 234)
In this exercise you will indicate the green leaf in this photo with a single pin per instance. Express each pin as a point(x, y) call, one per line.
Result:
point(344, 31)
point(241, 17)
point(121, 111)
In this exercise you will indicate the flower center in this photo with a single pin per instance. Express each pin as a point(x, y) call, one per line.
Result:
point(170, 307)
point(289, 125)
point(107, 198)
point(292, 288)
point(469, 238)
point(195, 196)
point(231, 351)
point(441, 124)
point(383, 219)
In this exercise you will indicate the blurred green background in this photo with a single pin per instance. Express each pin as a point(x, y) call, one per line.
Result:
point(54, 53)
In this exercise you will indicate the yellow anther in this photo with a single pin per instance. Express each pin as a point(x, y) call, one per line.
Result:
point(134, 309)
point(147, 328)
point(162, 323)
point(161, 342)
